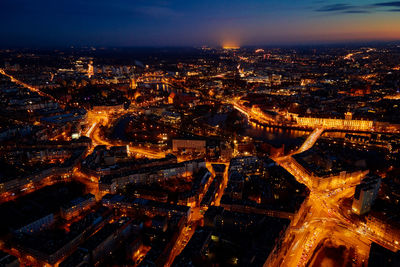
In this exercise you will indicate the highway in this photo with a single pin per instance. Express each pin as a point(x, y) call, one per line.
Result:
point(29, 87)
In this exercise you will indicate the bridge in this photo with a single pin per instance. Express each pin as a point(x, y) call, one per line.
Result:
point(310, 141)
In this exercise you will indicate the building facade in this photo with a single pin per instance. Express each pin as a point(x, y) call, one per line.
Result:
point(365, 194)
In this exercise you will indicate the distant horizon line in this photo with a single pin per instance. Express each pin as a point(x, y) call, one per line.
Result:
point(286, 45)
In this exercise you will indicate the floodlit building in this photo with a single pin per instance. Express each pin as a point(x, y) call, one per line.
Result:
point(189, 145)
point(333, 123)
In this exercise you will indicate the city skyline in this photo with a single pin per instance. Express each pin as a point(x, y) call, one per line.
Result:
point(179, 23)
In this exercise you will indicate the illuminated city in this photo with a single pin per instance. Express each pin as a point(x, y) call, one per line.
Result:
point(200, 133)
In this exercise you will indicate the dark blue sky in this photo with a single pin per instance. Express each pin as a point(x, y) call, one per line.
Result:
point(206, 22)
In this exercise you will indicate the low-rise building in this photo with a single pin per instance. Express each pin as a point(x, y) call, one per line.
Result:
point(189, 145)
point(76, 206)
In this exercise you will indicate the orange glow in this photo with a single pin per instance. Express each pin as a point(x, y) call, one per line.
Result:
point(230, 47)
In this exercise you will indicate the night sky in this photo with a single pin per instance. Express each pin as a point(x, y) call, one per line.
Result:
point(187, 22)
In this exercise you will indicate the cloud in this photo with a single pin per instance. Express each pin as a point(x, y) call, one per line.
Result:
point(388, 4)
point(360, 9)
point(356, 11)
point(334, 7)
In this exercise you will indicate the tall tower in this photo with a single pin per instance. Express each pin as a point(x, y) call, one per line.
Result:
point(133, 83)
point(348, 115)
point(90, 71)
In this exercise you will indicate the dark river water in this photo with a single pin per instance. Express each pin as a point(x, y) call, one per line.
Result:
point(269, 133)
point(256, 132)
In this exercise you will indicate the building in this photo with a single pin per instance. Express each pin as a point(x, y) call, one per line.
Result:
point(365, 194)
point(37, 225)
point(76, 206)
point(170, 117)
point(144, 206)
point(148, 175)
point(332, 123)
point(189, 145)
point(235, 186)
point(107, 240)
point(246, 164)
